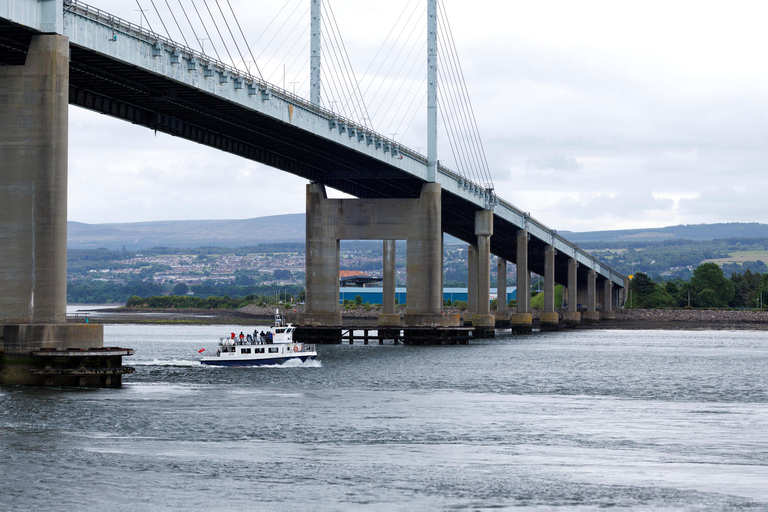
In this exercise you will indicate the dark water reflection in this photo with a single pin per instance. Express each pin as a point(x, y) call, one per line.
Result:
point(572, 420)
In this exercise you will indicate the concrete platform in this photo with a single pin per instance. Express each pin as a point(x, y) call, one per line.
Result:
point(521, 323)
point(549, 322)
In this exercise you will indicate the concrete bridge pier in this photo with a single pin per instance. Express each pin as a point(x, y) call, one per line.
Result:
point(472, 280)
point(522, 321)
point(607, 313)
point(418, 221)
point(591, 315)
point(572, 316)
point(483, 321)
point(502, 311)
point(424, 262)
point(389, 317)
point(549, 320)
point(34, 100)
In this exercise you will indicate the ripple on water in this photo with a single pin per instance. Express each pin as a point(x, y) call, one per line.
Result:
point(570, 420)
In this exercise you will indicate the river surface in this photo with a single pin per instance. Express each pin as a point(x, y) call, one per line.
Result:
point(575, 420)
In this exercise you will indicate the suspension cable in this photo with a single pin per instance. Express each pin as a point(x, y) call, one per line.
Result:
point(244, 39)
point(206, 30)
point(145, 16)
point(216, 26)
point(356, 86)
point(161, 20)
point(177, 24)
point(237, 46)
point(190, 24)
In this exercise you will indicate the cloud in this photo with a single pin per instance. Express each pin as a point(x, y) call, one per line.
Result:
point(554, 162)
point(586, 122)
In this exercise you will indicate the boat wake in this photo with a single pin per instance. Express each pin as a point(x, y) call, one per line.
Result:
point(172, 362)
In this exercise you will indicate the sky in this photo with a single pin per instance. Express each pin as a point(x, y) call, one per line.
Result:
point(593, 115)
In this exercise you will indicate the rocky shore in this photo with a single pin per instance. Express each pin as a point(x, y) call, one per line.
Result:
point(672, 319)
point(689, 319)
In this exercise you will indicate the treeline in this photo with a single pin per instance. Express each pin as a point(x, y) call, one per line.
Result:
point(212, 302)
point(675, 259)
point(707, 288)
point(98, 292)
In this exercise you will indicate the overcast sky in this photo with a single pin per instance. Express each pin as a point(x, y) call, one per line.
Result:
point(594, 115)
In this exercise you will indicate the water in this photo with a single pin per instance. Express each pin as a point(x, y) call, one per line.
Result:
point(578, 420)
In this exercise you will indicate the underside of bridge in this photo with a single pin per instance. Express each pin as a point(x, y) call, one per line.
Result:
point(102, 84)
point(114, 87)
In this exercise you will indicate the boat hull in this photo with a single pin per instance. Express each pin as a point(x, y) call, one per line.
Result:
point(271, 361)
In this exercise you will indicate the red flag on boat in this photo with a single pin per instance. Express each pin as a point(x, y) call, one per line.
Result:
point(201, 351)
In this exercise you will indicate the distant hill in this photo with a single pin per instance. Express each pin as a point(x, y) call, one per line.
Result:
point(684, 232)
point(187, 233)
point(290, 228)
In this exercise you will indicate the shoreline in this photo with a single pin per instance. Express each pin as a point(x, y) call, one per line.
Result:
point(632, 319)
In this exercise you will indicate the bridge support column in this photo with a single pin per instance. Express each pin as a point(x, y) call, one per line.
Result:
point(624, 292)
point(549, 319)
point(608, 313)
point(33, 216)
point(483, 321)
point(522, 320)
point(424, 265)
point(572, 316)
point(331, 220)
point(322, 261)
point(591, 315)
point(389, 317)
point(472, 278)
point(502, 311)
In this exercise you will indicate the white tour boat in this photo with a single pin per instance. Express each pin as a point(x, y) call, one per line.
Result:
point(270, 347)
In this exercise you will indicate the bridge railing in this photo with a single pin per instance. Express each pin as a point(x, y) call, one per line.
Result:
point(118, 24)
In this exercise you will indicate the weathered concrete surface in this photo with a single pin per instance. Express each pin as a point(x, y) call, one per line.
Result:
point(607, 313)
point(472, 277)
point(521, 322)
point(591, 290)
point(17, 340)
point(502, 311)
point(483, 231)
point(390, 276)
point(322, 262)
point(549, 279)
point(572, 316)
point(424, 257)
point(590, 317)
point(33, 184)
point(418, 221)
point(390, 320)
point(34, 100)
point(549, 320)
point(523, 276)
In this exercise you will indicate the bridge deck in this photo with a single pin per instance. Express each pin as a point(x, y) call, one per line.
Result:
point(127, 72)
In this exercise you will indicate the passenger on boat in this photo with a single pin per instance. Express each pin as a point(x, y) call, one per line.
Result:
point(249, 338)
point(242, 337)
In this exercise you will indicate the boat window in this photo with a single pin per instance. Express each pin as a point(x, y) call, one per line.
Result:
point(279, 331)
point(258, 351)
point(273, 350)
point(245, 351)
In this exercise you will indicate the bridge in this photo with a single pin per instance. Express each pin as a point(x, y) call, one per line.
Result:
point(59, 52)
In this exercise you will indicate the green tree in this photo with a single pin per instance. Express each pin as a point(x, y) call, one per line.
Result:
point(746, 288)
point(709, 276)
point(180, 289)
